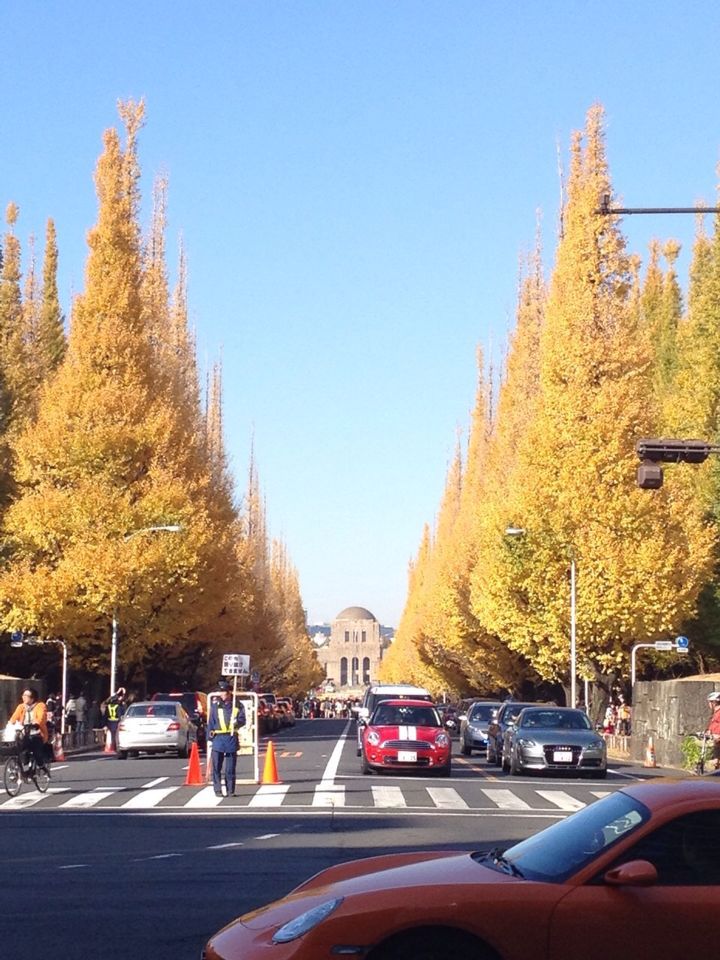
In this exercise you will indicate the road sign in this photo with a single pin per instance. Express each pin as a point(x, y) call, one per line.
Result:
point(235, 664)
point(682, 644)
point(664, 645)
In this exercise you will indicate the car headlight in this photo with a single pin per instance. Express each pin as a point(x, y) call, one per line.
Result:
point(306, 921)
point(373, 737)
point(442, 740)
point(524, 742)
point(598, 745)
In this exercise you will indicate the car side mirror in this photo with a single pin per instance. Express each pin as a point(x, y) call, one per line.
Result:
point(636, 873)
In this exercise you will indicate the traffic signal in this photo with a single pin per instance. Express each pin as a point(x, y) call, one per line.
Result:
point(667, 450)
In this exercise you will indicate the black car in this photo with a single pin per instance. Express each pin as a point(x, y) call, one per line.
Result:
point(194, 705)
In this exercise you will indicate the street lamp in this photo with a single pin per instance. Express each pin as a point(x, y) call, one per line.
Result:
point(36, 641)
point(167, 528)
point(519, 532)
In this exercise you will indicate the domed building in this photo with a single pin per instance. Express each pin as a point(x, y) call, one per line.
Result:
point(352, 655)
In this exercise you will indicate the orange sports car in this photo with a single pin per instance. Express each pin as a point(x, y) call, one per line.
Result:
point(636, 874)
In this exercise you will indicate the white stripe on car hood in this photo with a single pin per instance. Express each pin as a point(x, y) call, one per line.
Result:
point(407, 733)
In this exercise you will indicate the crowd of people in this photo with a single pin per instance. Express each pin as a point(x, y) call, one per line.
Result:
point(618, 718)
point(328, 709)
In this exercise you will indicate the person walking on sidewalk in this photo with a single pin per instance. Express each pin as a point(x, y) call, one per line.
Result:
point(713, 727)
point(224, 721)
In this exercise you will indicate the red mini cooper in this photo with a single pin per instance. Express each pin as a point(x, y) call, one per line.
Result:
point(406, 735)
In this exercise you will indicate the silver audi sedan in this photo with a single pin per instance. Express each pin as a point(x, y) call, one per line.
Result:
point(545, 739)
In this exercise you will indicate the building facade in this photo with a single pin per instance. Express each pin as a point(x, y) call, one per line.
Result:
point(352, 654)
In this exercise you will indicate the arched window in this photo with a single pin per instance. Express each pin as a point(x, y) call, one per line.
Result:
point(366, 669)
point(343, 672)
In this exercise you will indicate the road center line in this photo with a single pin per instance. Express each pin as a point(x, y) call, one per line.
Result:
point(330, 771)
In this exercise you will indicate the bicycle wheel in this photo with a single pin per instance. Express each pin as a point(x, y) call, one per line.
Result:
point(41, 778)
point(12, 776)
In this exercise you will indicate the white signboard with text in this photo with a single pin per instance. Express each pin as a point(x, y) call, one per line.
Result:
point(235, 665)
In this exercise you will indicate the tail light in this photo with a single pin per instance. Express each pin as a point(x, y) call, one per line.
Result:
point(121, 725)
point(173, 726)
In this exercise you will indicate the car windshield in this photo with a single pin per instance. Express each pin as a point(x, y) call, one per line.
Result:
point(481, 711)
point(387, 715)
point(158, 709)
point(556, 853)
point(555, 719)
point(511, 713)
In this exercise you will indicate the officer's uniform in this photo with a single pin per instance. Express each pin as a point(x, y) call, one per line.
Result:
point(223, 724)
point(114, 712)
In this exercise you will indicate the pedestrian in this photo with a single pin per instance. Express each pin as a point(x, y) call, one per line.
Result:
point(624, 715)
point(95, 717)
point(713, 727)
point(114, 712)
point(81, 713)
point(52, 705)
point(71, 714)
point(226, 718)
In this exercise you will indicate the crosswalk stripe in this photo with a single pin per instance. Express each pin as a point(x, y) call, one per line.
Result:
point(23, 800)
point(562, 799)
point(330, 796)
point(447, 798)
point(269, 795)
point(147, 798)
point(388, 797)
point(506, 799)
point(89, 799)
point(204, 798)
point(601, 793)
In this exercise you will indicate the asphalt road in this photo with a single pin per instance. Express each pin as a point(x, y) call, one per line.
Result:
point(106, 866)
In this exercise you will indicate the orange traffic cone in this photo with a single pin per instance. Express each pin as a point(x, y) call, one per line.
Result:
point(270, 774)
point(58, 751)
point(108, 743)
point(194, 776)
point(650, 754)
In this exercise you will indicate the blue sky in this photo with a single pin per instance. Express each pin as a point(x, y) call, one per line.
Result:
point(355, 182)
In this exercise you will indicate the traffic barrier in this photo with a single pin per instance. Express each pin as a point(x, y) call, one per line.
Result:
point(270, 774)
point(650, 754)
point(58, 752)
point(108, 743)
point(194, 776)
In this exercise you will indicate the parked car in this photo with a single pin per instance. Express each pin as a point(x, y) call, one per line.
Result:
point(635, 874)
point(269, 713)
point(406, 735)
point(474, 725)
point(507, 713)
point(385, 691)
point(285, 705)
point(543, 739)
point(194, 702)
point(155, 726)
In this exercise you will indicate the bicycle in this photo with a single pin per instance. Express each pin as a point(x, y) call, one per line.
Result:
point(22, 766)
point(702, 752)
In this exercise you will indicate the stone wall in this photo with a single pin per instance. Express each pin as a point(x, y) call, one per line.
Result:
point(668, 710)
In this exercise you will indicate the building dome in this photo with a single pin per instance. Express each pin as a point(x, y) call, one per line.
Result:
point(355, 613)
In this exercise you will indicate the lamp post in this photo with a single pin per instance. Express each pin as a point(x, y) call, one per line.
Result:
point(519, 532)
point(167, 528)
point(36, 641)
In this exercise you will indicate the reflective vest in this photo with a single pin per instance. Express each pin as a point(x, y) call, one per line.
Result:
point(113, 710)
point(224, 728)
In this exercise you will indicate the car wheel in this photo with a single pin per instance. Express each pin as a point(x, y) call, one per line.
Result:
point(505, 762)
point(465, 750)
point(515, 766)
point(358, 751)
point(365, 766)
point(445, 771)
point(434, 946)
point(183, 751)
point(122, 754)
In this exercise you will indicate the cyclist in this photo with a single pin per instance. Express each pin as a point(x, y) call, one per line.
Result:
point(713, 727)
point(32, 713)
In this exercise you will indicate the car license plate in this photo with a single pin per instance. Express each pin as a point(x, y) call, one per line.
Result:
point(407, 756)
point(562, 756)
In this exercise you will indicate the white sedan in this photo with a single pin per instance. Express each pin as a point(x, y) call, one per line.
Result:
point(155, 727)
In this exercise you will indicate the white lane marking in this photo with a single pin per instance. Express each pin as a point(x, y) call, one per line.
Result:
point(388, 797)
point(30, 799)
point(158, 856)
point(224, 846)
point(148, 798)
point(269, 795)
point(153, 783)
point(330, 771)
point(90, 799)
point(329, 795)
point(562, 799)
point(601, 793)
point(204, 798)
point(110, 789)
point(267, 836)
point(72, 866)
point(506, 799)
point(60, 766)
point(447, 798)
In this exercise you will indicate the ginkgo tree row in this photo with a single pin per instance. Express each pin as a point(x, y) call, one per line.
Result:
point(601, 356)
point(105, 437)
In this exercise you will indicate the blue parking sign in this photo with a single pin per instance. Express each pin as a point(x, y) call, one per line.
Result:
point(681, 643)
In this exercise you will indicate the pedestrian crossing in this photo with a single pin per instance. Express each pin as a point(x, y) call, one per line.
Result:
point(326, 794)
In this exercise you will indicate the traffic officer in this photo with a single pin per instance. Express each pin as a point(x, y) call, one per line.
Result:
point(226, 718)
point(114, 712)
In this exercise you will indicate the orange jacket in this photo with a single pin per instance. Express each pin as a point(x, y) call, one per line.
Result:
point(39, 716)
